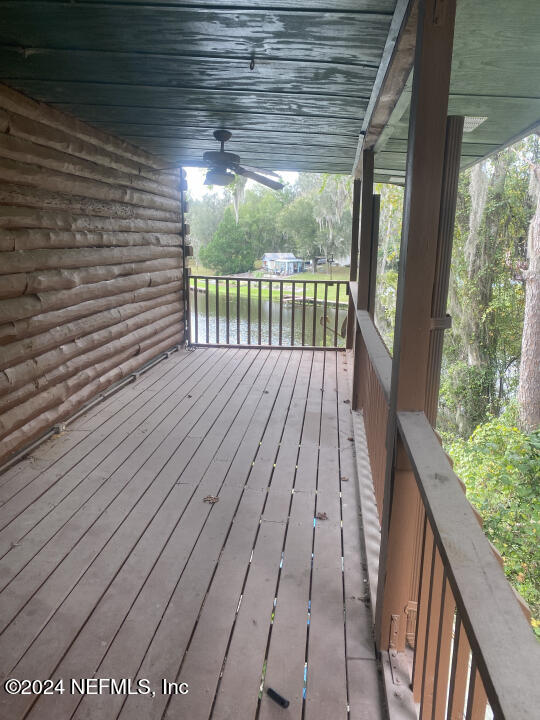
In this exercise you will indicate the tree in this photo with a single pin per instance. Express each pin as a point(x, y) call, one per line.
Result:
point(229, 251)
point(204, 217)
point(529, 372)
point(486, 301)
point(300, 227)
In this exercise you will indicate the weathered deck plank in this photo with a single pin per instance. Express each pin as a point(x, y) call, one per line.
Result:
point(124, 571)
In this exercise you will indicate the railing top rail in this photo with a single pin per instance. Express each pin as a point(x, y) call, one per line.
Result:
point(376, 349)
point(507, 653)
point(268, 279)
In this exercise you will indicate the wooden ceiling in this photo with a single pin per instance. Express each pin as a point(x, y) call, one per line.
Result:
point(164, 74)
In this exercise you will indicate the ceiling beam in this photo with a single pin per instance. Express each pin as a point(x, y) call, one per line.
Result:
point(394, 70)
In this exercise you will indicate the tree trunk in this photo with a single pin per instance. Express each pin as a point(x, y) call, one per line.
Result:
point(529, 372)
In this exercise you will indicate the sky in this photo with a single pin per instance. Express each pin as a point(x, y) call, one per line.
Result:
point(196, 187)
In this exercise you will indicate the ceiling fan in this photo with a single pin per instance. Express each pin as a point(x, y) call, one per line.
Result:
point(220, 162)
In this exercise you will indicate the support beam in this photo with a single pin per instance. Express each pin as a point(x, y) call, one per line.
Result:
point(364, 260)
point(439, 320)
point(392, 76)
point(425, 160)
point(366, 225)
point(375, 213)
point(351, 317)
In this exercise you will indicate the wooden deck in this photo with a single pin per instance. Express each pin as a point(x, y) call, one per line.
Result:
point(113, 564)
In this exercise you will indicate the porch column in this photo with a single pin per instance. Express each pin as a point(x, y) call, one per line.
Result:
point(440, 321)
point(351, 320)
point(401, 520)
point(364, 257)
point(374, 251)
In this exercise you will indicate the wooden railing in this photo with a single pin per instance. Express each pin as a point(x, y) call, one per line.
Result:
point(474, 653)
point(267, 312)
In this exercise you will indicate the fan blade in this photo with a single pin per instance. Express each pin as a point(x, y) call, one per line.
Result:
point(264, 172)
point(258, 178)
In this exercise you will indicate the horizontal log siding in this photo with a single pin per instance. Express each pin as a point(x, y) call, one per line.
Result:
point(91, 264)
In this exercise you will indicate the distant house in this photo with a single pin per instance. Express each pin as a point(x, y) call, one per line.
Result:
point(282, 263)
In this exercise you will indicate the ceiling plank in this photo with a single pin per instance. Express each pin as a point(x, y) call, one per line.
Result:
point(184, 71)
point(213, 119)
point(149, 96)
point(334, 37)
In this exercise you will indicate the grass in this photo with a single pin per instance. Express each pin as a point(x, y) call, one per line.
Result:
point(338, 273)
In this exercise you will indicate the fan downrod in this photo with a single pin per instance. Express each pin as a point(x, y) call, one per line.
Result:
point(222, 136)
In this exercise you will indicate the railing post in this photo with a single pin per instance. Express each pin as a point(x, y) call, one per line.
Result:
point(402, 520)
point(351, 320)
point(364, 259)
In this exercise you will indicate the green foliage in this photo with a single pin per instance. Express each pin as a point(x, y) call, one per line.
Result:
point(500, 466)
point(204, 218)
point(228, 252)
point(298, 225)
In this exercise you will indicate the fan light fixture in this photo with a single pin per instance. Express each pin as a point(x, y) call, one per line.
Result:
point(217, 176)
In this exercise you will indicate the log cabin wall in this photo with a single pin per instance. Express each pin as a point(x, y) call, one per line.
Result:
point(91, 264)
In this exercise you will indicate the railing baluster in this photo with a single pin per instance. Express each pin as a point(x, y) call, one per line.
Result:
point(304, 314)
point(217, 311)
point(227, 303)
point(195, 309)
point(281, 313)
point(428, 623)
point(270, 312)
point(238, 312)
point(292, 310)
point(479, 702)
point(470, 695)
point(314, 312)
point(260, 313)
point(249, 310)
point(453, 670)
point(440, 640)
point(207, 311)
point(325, 310)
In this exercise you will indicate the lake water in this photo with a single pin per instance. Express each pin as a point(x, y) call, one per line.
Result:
point(241, 327)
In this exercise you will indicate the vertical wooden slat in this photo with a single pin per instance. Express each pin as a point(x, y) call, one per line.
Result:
point(217, 311)
point(292, 310)
point(249, 310)
point(479, 703)
point(472, 688)
point(227, 314)
point(207, 311)
point(325, 310)
point(421, 612)
point(426, 684)
point(238, 312)
point(195, 308)
point(304, 314)
point(444, 647)
point(453, 669)
point(280, 313)
point(461, 676)
point(315, 288)
point(270, 312)
point(259, 319)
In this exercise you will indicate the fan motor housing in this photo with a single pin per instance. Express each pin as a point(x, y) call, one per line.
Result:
point(215, 158)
